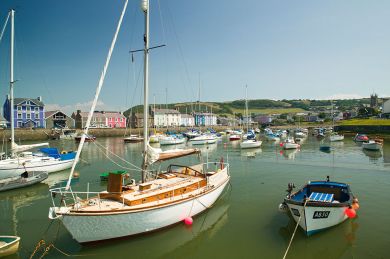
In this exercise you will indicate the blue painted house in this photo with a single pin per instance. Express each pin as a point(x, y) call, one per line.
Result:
point(28, 112)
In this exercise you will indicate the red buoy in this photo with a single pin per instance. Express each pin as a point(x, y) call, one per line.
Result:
point(188, 221)
point(351, 213)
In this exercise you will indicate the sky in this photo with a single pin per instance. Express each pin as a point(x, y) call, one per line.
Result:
point(299, 49)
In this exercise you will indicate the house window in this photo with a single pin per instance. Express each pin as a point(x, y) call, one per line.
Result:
point(19, 124)
point(19, 115)
point(36, 115)
point(19, 108)
point(28, 116)
point(28, 102)
point(28, 108)
point(38, 124)
point(36, 109)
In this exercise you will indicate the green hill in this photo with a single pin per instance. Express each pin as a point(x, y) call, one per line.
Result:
point(258, 106)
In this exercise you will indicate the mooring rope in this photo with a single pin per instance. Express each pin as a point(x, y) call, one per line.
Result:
point(295, 230)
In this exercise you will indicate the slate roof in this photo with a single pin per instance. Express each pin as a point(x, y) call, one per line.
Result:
point(17, 101)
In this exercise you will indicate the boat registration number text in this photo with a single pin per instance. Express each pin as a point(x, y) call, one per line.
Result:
point(321, 214)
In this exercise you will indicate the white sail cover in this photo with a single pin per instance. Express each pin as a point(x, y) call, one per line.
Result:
point(20, 148)
point(156, 154)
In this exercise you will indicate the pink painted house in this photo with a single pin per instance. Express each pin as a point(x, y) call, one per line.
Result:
point(115, 120)
point(100, 119)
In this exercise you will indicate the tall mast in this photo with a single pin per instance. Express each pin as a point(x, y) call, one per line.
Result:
point(246, 108)
point(11, 83)
point(145, 9)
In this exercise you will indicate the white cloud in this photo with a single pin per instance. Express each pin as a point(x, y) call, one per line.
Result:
point(69, 109)
point(344, 96)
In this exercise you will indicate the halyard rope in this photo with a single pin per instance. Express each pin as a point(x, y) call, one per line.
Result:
point(295, 230)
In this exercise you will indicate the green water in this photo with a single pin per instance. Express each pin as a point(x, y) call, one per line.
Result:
point(244, 223)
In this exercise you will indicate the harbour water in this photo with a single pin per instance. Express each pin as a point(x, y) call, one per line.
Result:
point(244, 223)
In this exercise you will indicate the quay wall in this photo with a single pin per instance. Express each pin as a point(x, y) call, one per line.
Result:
point(44, 134)
point(365, 129)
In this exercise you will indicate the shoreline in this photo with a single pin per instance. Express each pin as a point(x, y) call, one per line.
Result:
point(44, 134)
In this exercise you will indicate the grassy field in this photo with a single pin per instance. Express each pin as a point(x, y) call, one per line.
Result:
point(270, 111)
point(366, 122)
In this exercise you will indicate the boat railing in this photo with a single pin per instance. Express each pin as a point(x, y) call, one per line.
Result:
point(70, 197)
point(75, 198)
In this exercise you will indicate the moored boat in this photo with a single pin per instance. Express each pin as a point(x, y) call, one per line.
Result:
point(372, 145)
point(361, 138)
point(133, 139)
point(289, 143)
point(204, 139)
point(336, 137)
point(24, 180)
point(234, 137)
point(88, 138)
point(251, 143)
point(319, 205)
point(9, 245)
point(171, 140)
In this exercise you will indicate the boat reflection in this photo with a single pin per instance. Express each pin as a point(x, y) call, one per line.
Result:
point(342, 237)
point(289, 153)
point(251, 153)
point(205, 225)
point(208, 148)
point(373, 154)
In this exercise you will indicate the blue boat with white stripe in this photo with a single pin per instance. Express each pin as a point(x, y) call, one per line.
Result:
point(319, 205)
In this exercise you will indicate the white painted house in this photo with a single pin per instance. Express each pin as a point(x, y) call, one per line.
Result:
point(166, 118)
point(187, 120)
point(386, 108)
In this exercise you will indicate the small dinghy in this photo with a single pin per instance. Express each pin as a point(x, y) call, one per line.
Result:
point(133, 139)
point(372, 145)
point(289, 144)
point(319, 205)
point(24, 180)
point(8, 245)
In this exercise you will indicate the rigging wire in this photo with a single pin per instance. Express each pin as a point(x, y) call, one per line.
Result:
point(181, 55)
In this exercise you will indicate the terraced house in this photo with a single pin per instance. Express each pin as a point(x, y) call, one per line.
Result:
point(28, 112)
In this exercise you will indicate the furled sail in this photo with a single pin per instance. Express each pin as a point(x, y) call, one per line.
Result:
point(156, 154)
point(20, 148)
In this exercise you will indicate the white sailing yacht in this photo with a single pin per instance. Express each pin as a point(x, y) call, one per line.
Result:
point(162, 198)
point(334, 136)
point(49, 160)
point(249, 143)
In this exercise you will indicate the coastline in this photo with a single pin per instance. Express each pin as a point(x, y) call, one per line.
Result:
point(44, 134)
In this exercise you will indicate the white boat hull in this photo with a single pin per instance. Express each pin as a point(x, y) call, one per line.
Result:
point(203, 141)
point(171, 141)
point(290, 145)
point(12, 168)
point(315, 219)
point(372, 146)
point(90, 228)
point(336, 138)
point(9, 248)
point(250, 144)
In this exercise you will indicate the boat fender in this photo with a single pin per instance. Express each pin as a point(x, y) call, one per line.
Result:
point(63, 152)
point(132, 182)
point(355, 203)
point(283, 207)
point(221, 163)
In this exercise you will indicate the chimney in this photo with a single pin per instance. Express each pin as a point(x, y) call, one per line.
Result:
point(78, 111)
point(39, 98)
point(8, 96)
